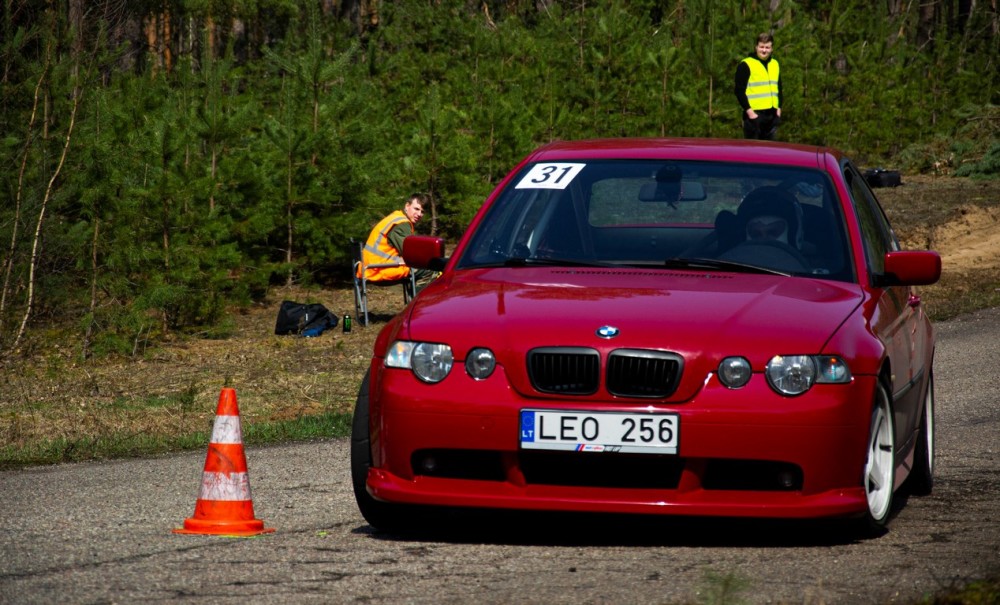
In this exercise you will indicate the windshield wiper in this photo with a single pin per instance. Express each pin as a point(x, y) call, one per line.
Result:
point(520, 261)
point(695, 264)
point(719, 265)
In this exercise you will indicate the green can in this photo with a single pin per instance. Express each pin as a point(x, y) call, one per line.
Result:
point(347, 323)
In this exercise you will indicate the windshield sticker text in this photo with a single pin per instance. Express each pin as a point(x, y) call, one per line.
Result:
point(550, 176)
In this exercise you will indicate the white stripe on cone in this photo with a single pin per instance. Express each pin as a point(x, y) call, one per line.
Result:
point(227, 430)
point(220, 486)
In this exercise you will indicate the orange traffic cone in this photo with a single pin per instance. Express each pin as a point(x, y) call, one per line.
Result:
point(224, 505)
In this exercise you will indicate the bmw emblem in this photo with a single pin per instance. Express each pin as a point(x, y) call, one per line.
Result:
point(607, 331)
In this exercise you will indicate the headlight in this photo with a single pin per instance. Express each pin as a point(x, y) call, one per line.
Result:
point(430, 362)
point(795, 374)
point(735, 372)
point(791, 374)
point(480, 363)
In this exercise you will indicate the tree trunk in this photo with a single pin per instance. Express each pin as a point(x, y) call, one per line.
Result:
point(168, 57)
point(158, 39)
point(89, 332)
point(9, 264)
point(209, 39)
point(33, 264)
point(289, 220)
point(215, 185)
point(925, 26)
point(76, 12)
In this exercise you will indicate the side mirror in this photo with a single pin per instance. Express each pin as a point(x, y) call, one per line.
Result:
point(424, 252)
point(912, 268)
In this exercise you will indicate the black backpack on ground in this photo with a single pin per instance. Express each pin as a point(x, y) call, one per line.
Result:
point(879, 177)
point(303, 319)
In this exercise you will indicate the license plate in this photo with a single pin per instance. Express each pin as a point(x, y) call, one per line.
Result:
point(644, 433)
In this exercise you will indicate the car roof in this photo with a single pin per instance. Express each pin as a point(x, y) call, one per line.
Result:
point(719, 150)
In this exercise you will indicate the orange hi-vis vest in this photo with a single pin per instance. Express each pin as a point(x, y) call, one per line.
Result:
point(762, 87)
point(378, 251)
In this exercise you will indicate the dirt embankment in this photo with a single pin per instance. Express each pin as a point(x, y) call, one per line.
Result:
point(959, 218)
point(970, 241)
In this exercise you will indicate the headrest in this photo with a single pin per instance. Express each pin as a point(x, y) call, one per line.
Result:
point(773, 201)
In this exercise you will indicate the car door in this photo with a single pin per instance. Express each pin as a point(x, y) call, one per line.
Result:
point(896, 322)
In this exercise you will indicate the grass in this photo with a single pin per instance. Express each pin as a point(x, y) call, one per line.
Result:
point(126, 444)
point(985, 592)
point(55, 408)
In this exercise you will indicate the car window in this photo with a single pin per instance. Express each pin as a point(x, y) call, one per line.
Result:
point(875, 229)
point(647, 212)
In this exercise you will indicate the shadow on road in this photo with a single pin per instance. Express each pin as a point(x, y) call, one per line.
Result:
point(463, 526)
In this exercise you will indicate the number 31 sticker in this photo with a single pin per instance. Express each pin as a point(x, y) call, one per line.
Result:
point(550, 176)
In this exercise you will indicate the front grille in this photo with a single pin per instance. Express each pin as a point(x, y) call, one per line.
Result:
point(565, 370)
point(639, 373)
point(630, 372)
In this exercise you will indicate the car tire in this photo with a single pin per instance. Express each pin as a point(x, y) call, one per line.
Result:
point(880, 464)
point(380, 515)
point(921, 479)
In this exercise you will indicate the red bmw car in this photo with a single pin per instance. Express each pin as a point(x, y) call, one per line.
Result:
point(658, 326)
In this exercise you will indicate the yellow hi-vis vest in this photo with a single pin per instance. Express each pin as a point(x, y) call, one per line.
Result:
point(377, 250)
point(762, 87)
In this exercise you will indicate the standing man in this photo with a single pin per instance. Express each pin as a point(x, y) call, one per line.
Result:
point(758, 90)
point(385, 242)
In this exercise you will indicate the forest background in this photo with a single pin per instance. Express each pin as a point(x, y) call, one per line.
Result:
point(164, 161)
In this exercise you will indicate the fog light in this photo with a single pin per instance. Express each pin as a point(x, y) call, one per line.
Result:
point(786, 479)
point(429, 464)
point(480, 363)
point(734, 372)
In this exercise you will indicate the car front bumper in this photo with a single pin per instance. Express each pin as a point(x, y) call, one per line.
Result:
point(456, 444)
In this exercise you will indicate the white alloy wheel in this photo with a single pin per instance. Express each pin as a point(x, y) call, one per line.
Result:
point(880, 466)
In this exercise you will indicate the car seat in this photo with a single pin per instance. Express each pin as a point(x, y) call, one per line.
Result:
point(361, 283)
point(728, 232)
point(777, 254)
point(821, 245)
point(772, 201)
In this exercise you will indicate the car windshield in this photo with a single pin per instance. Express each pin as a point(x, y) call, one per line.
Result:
point(676, 214)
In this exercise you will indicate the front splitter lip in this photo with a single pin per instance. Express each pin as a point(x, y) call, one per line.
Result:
point(430, 491)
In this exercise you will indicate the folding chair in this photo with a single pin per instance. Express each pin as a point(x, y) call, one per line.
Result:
point(361, 284)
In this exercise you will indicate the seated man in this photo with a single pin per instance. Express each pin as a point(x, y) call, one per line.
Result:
point(385, 243)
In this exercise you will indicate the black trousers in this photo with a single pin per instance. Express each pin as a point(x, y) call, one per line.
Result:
point(764, 127)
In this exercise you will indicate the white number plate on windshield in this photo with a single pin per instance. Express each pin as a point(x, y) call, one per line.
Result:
point(599, 431)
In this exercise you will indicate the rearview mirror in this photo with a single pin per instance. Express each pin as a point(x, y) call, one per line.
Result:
point(684, 191)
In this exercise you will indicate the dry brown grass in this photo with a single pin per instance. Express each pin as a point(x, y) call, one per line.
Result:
point(172, 390)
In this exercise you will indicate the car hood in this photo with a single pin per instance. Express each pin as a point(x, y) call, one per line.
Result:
point(703, 316)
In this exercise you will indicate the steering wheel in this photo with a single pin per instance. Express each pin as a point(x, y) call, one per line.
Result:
point(772, 254)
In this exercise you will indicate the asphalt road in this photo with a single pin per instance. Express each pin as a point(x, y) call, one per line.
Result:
point(101, 532)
